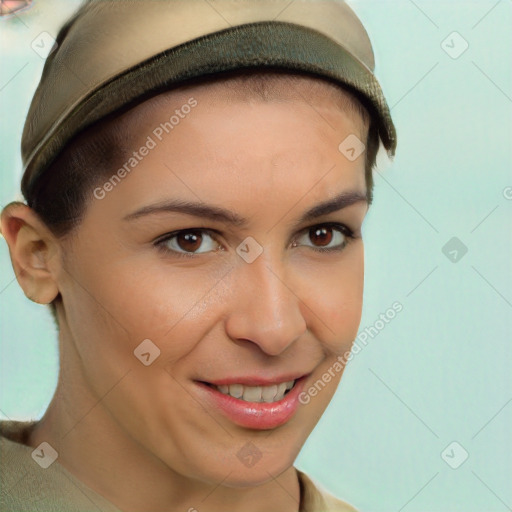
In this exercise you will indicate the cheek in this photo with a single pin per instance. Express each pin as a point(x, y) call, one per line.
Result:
point(168, 304)
point(120, 305)
point(335, 297)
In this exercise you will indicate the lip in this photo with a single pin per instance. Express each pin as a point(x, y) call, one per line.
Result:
point(253, 415)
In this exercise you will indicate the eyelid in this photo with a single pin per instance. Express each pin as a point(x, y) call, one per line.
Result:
point(170, 234)
point(341, 226)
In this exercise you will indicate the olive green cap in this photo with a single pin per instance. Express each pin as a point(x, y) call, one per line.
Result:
point(113, 54)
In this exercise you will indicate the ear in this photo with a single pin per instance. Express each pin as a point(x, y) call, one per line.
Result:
point(34, 252)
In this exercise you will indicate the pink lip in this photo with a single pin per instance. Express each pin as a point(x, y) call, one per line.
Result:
point(254, 415)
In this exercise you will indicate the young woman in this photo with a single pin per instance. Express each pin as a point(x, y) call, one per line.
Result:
point(196, 177)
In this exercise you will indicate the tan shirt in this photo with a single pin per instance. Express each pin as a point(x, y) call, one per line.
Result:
point(25, 486)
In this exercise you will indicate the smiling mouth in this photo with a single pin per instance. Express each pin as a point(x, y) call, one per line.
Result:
point(255, 394)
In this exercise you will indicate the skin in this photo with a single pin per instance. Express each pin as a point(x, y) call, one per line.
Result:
point(139, 435)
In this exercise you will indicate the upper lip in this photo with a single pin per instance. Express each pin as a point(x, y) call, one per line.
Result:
point(247, 380)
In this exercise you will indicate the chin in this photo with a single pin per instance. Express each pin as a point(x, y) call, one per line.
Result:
point(252, 477)
point(242, 469)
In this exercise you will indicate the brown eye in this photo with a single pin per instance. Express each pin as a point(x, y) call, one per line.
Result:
point(321, 235)
point(188, 242)
point(326, 237)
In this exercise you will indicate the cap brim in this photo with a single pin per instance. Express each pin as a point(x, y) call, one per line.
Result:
point(279, 45)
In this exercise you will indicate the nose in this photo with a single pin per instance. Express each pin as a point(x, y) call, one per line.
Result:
point(265, 307)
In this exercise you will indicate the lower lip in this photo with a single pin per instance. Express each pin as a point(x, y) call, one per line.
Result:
point(255, 415)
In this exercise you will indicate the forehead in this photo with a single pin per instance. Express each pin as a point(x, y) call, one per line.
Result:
point(236, 153)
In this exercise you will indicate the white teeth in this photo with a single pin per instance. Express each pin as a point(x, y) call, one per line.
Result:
point(281, 389)
point(236, 390)
point(252, 394)
point(266, 394)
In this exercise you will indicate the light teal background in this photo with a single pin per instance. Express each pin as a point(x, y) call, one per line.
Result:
point(440, 371)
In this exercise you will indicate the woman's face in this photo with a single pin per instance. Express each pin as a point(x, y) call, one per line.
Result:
point(253, 303)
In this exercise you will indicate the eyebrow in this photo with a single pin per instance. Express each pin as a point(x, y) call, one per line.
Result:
point(219, 214)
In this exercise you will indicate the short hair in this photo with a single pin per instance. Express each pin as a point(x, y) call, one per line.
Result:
point(62, 193)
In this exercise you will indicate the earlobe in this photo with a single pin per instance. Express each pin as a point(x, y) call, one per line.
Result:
point(33, 252)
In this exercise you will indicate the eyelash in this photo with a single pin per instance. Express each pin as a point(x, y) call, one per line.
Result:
point(342, 228)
